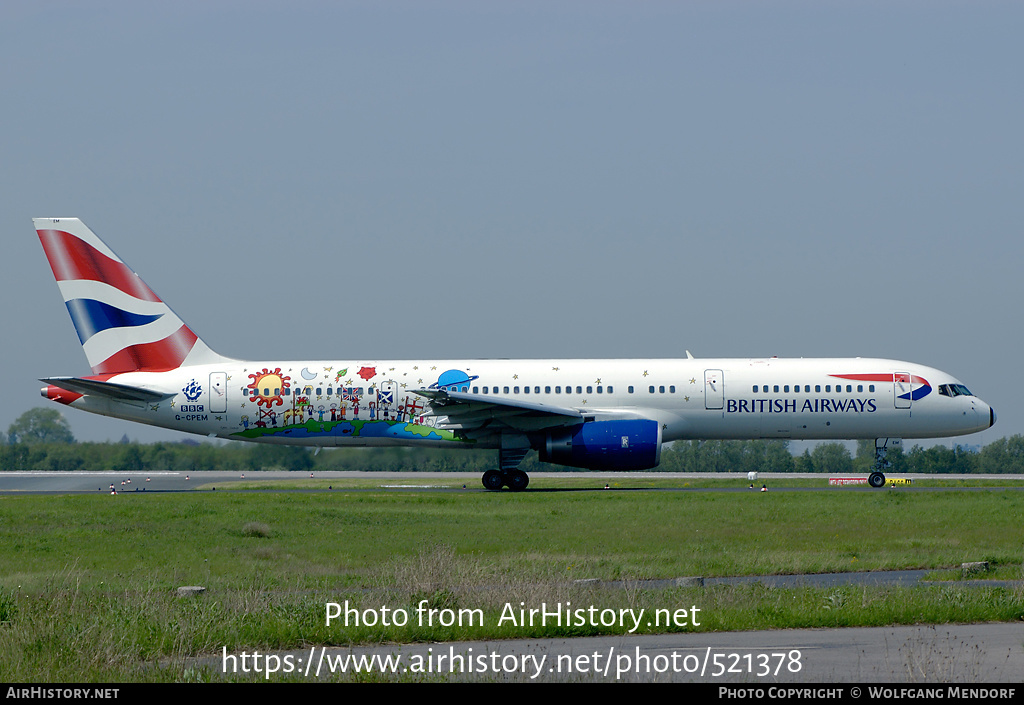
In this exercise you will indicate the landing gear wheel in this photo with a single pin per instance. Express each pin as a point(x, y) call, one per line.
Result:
point(493, 480)
point(876, 479)
point(517, 480)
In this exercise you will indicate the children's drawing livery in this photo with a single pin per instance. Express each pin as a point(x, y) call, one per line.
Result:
point(149, 366)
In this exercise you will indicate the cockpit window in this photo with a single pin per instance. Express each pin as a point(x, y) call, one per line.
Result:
point(954, 390)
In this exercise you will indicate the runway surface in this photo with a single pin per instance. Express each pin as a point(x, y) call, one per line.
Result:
point(949, 653)
point(67, 482)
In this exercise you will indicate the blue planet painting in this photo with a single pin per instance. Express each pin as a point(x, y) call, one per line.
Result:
point(451, 380)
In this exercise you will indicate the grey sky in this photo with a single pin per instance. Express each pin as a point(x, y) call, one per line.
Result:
point(577, 179)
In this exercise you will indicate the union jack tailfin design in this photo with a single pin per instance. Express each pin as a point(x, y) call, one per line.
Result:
point(123, 325)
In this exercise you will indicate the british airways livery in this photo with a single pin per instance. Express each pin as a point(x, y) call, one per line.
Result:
point(149, 366)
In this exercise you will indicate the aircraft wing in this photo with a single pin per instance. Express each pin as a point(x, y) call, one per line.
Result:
point(118, 392)
point(477, 415)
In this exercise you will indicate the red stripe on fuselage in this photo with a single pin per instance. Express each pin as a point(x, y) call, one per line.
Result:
point(882, 377)
point(72, 258)
point(166, 354)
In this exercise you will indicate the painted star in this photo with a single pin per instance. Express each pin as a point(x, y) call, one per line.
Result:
point(645, 373)
point(686, 398)
point(555, 369)
point(664, 427)
point(515, 376)
point(173, 402)
point(598, 381)
point(433, 367)
point(693, 380)
point(155, 408)
point(584, 401)
point(415, 367)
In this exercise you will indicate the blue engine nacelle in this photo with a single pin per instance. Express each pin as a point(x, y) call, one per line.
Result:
point(629, 444)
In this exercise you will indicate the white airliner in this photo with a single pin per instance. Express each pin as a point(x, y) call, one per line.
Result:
point(148, 366)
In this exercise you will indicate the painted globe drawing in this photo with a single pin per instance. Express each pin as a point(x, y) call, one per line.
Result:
point(453, 380)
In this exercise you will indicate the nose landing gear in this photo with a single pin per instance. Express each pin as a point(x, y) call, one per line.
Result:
point(882, 445)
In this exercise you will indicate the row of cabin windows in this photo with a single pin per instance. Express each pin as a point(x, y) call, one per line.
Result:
point(568, 390)
point(807, 388)
point(299, 391)
point(547, 390)
point(494, 390)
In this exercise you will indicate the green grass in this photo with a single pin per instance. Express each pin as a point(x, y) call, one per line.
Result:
point(86, 581)
point(337, 539)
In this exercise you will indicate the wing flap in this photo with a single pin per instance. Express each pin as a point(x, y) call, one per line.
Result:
point(472, 413)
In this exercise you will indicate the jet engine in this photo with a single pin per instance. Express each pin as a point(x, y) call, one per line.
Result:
point(626, 444)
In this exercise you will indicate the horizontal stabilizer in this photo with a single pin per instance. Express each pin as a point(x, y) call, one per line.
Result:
point(118, 392)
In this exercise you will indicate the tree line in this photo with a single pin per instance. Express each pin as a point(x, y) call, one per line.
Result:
point(40, 439)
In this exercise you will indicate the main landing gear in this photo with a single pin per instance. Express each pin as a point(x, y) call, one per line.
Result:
point(510, 475)
point(515, 480)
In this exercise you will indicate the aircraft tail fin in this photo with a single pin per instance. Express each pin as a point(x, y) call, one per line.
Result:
point(122, 324)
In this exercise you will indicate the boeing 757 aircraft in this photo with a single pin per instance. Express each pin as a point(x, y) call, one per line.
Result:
point(148, 366)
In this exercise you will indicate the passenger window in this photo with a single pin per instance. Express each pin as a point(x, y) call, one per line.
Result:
point(672, 389)
point(579, 390)
point(786, 389)
point(526, 390)
point(590, 390)
point(600, 390)
point(558, 390)
point(515, 390)
point(609, 389)
point(651, 389)
point(661, 389)
point(506, 390)
point(776, 388)
point(547, 390)
point(630, 389)
point(817, 387)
